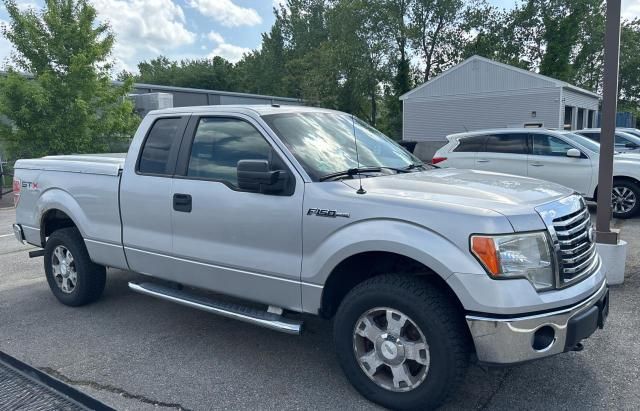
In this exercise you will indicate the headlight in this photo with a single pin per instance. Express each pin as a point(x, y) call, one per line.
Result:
point(516, 256)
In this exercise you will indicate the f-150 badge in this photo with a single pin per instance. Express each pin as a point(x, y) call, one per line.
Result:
point(322, 212)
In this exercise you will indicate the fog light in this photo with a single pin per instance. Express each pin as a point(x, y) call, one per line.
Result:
point(543, 338)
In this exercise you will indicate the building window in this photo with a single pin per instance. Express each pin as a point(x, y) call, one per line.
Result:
point(580, 122)
point(568, 117)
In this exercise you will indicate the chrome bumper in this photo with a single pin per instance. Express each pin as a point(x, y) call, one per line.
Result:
point(503, 341)
point(17, 231)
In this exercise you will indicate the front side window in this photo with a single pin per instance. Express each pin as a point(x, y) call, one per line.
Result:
point(592, 135)
point(160, 142)
point(515, 143)
point(546, 145)
point(324, 143)
point(621, 141)
point(219, 144)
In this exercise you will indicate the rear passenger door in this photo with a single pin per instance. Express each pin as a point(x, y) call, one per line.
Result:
point(549, 161)
point(145, 196)
point(504, 153)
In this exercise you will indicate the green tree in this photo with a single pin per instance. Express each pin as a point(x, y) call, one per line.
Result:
point(493, 37)
point(264, 71)
point(66, 103)
point(395, 26)
point(436, 32)
point(630, 67)
point(210, 73)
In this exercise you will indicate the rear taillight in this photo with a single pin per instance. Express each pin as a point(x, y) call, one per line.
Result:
point(17, 185)
point(437, 160)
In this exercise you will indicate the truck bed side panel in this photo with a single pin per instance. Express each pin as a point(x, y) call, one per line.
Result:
point(89, 199)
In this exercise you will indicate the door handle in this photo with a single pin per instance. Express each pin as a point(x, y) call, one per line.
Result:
point(182, 203)
point(536, 164)
point(482, 160)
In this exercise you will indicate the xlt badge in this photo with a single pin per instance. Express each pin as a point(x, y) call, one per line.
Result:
point(322, 212)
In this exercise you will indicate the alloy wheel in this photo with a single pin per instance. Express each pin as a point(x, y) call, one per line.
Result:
point(391, 349)
point(623, 199)
point(64, 269)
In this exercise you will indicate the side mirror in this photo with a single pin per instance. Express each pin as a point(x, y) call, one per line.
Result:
point(255, 176)
point(631, 145)
point(574, 152)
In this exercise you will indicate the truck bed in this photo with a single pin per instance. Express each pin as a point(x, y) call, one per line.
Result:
point(105, 164)
point(83, 186)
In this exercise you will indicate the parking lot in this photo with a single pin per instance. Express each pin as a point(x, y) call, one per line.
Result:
point(134, 352)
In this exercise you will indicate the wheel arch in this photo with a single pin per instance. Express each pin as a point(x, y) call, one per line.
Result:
point(618, 178)
point(54, 219)
point(58, 209)
point(360, 267)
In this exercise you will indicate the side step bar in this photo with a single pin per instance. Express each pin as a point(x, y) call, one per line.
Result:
point(225, 309)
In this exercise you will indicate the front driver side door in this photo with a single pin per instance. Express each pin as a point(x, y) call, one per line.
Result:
point(549, 161)
point(236, 242)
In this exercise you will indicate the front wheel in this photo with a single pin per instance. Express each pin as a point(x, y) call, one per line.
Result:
point(401, 342)
point(625, 199)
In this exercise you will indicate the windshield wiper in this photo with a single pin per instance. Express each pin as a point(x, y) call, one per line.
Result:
point(355, 171)
point(351, 172)
point(413, 166)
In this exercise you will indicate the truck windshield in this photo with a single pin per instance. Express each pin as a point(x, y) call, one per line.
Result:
point(324, 143)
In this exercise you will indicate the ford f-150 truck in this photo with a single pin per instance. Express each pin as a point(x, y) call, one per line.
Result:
point(300, 209)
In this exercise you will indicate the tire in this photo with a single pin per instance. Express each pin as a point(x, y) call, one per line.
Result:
point(74, 263)
point(428, 310)
point(625, 199)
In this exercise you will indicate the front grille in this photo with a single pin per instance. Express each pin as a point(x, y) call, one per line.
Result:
point(577, 252)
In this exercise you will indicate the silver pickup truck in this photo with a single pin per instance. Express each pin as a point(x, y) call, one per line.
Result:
point(303, 210)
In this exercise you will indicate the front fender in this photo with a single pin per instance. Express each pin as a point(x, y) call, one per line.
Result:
point(414, 241)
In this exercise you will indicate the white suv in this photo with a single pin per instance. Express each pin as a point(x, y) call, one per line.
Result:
point(558, 156)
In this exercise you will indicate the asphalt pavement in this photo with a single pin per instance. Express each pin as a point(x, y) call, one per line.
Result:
point(136, 353)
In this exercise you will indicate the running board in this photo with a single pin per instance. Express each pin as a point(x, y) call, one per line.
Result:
point(225, 309)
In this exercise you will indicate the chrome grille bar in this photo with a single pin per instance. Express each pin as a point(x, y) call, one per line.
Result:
point(577, 256)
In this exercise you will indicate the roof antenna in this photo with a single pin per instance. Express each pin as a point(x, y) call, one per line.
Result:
point(355, 140)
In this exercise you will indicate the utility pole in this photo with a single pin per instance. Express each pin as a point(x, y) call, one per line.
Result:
point(604, 234)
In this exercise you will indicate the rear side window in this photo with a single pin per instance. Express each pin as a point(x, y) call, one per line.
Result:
point(471, 145)
point(545, 145)
point(161, 141)
point(507, 143)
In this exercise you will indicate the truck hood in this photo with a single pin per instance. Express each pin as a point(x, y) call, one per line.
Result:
point(512, 196)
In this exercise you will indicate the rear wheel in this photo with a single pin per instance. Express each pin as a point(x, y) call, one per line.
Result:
point(401, 342)
point(73, 278)
point(625, 199)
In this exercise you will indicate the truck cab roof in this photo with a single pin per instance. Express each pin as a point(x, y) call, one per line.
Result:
point(260, 110)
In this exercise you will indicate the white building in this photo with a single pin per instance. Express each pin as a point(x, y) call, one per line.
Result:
point(480, 93)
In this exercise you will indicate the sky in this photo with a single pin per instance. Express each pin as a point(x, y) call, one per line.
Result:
point(188, 29)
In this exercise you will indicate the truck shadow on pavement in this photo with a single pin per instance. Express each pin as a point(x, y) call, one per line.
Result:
point(161, 353)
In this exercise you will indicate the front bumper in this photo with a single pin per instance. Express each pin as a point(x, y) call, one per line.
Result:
point(503, 341)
